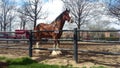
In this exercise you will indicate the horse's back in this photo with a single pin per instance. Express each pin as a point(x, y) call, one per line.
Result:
point(43, 27)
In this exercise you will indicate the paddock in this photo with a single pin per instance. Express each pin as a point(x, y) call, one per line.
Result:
point(109, 60)
point(105, 52)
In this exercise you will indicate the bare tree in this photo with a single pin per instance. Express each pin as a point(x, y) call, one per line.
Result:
point(79, 9)
point(33, 10)
point(5, 14)
point(23, 21)
point(98, 17)
point(10, 19)
point(114, 8)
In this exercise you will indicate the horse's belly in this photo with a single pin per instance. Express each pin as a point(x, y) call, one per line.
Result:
point(45, 35)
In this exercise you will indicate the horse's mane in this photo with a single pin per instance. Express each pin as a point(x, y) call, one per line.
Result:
point(59, 17)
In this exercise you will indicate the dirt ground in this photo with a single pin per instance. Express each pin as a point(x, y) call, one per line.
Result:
point(66, 58)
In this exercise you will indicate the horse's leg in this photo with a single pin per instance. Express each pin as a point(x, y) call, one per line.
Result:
point(58, 42)
point(37, 46)
point(55, 46)
point(54, 53)
point(55, 43)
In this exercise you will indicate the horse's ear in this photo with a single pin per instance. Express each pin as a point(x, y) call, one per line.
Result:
point(68, 10)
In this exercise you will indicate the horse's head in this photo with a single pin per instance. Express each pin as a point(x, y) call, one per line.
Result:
point(67, 16)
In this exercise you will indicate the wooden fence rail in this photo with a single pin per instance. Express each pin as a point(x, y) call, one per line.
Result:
point(74, 40)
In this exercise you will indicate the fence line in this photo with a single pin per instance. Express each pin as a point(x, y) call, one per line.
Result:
point(79, 50)
point(75, 45)
point(75, 41)
point(14, 39)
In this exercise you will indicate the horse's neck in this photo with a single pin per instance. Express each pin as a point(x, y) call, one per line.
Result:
point(59, 24)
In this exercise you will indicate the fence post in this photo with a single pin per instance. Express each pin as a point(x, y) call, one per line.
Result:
point(75, 46)
point(30, 43)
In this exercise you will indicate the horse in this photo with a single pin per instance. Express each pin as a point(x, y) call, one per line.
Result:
point(53, 29)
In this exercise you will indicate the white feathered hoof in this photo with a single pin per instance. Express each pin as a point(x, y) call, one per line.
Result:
point(56, 53)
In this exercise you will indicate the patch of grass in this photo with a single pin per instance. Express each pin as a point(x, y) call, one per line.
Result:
point(20, 61)
point(97, 67)
point(2, 58)
point(27, 62)
point(84, 67)
point(36, 65)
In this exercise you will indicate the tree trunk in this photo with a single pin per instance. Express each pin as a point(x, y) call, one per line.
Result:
point(78, 29)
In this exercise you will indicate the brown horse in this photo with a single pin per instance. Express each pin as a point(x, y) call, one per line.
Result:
point(55, 26)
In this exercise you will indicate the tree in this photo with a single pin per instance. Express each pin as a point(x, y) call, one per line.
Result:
point(79, 9)
point(32, 9)
point(98, 19)
point(23, 22)
point(6, 14)
point(114, 8)
point(10, 19)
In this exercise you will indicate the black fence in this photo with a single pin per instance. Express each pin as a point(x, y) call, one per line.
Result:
point(76, 36)
point(74, 40)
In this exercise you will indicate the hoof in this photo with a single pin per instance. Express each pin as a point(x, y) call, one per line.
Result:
point(56, 53)
point(59, 52)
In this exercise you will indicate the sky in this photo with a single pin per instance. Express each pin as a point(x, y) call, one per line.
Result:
point(54, 8)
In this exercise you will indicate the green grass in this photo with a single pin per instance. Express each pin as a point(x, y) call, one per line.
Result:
point(20, 61)
point(2, 58)
point(26, 62)
point(36, 65)
point(95, 67)
point(47, 66)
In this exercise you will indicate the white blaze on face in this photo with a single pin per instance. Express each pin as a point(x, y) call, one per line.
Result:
point(70, 15)
point(71, 20)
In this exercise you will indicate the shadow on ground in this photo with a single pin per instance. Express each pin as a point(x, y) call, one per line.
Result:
point(96, 59)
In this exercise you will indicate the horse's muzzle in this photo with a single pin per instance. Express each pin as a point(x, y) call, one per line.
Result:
point(71, 20)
